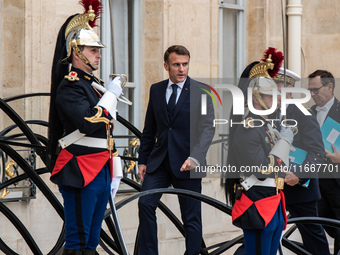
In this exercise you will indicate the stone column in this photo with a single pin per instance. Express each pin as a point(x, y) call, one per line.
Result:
point(294, 13)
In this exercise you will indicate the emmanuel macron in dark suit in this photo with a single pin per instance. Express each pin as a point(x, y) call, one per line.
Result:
point(173, 141)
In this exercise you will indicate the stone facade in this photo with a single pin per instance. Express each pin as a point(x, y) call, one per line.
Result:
point(28, 32)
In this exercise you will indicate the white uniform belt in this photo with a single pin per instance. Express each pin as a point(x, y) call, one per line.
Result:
point(253, 181)
point(92, 142)
point(80, 139)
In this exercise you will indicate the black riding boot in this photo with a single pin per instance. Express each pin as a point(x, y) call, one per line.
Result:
point(72, 252)
point(89, 252)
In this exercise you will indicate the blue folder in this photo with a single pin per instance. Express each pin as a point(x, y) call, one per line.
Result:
point(330, 131)
point(298, 156)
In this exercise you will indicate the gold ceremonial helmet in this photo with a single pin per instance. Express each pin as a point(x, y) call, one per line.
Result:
point(261, 81)
point(79, 33)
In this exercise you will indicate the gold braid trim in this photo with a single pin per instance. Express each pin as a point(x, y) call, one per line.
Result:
point(97, 118)
point(270, 166)
point(280, 183)
point(272, 160)
point(281, 77)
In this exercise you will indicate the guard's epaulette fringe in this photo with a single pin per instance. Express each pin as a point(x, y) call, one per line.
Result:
point(72, 76)
point(248, 123)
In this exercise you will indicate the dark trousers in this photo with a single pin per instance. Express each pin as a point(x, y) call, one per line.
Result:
point(329, 207)
point(190, 210)
point(265, 241)
point(313, 235)
point(84, 211)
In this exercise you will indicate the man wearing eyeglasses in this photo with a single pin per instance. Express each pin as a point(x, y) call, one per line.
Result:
point(302, 188)
point(321, 85)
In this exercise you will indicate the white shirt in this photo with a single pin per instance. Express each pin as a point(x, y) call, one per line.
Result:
point(168, 91)
point(322, 111)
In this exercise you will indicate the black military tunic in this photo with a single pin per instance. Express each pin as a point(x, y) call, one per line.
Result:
point(77, 101)
point(251, 149)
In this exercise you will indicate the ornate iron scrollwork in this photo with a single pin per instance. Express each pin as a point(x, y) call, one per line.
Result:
point(25, 168)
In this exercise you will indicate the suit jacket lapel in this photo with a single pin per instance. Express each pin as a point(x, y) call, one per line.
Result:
point(314, 109)
point(163, 103)
point(290, 109)
point(182, 97)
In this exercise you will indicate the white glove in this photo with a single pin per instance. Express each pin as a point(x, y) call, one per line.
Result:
point(287, 134)
point(115, 185)
point(115, 86)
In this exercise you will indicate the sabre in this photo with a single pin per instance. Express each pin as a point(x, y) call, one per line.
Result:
point(117, 174)
point(102, 89)
point(284, 43)
point(116, 222)
point(122, 99)
point(284, 47)
point(112, 38)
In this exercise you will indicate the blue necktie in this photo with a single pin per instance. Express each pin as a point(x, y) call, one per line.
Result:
point(172, 100)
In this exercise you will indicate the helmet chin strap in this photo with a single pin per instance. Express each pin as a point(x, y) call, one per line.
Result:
point(80, 54)
point(259, 99)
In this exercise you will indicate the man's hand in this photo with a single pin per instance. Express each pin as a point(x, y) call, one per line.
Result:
point(335, 156)
point(291, 179)
point(188, 164)
point(142, 171)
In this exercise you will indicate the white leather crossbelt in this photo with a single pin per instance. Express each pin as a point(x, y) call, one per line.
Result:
point(70, 138)
point(253, 181)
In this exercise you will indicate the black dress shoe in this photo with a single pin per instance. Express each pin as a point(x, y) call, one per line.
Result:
point(89, 252)
point(72, 252)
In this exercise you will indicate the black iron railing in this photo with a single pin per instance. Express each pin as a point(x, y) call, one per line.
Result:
point(20, 148)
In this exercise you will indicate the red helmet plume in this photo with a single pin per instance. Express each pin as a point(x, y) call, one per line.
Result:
point(277, 58)
point(97, 7)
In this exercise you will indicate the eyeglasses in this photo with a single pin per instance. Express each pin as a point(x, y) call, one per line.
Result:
point(315, 90)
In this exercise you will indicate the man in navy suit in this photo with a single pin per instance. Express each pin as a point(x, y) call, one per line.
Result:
point(321, 85)
point(175, 139)
point(302, 189)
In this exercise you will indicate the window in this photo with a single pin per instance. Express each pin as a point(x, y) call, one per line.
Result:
point(232, 38)
point(232, 49)
point(124, 52)
point(232, 56)
point(126, 42)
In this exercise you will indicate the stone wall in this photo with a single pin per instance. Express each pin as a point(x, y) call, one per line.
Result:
point(320, 34)
point(168, 22)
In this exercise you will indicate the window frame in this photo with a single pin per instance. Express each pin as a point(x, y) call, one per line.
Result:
point(134, 112)
point(240, 35)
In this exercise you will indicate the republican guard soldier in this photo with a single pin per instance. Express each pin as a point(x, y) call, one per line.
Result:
point(81, 119)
